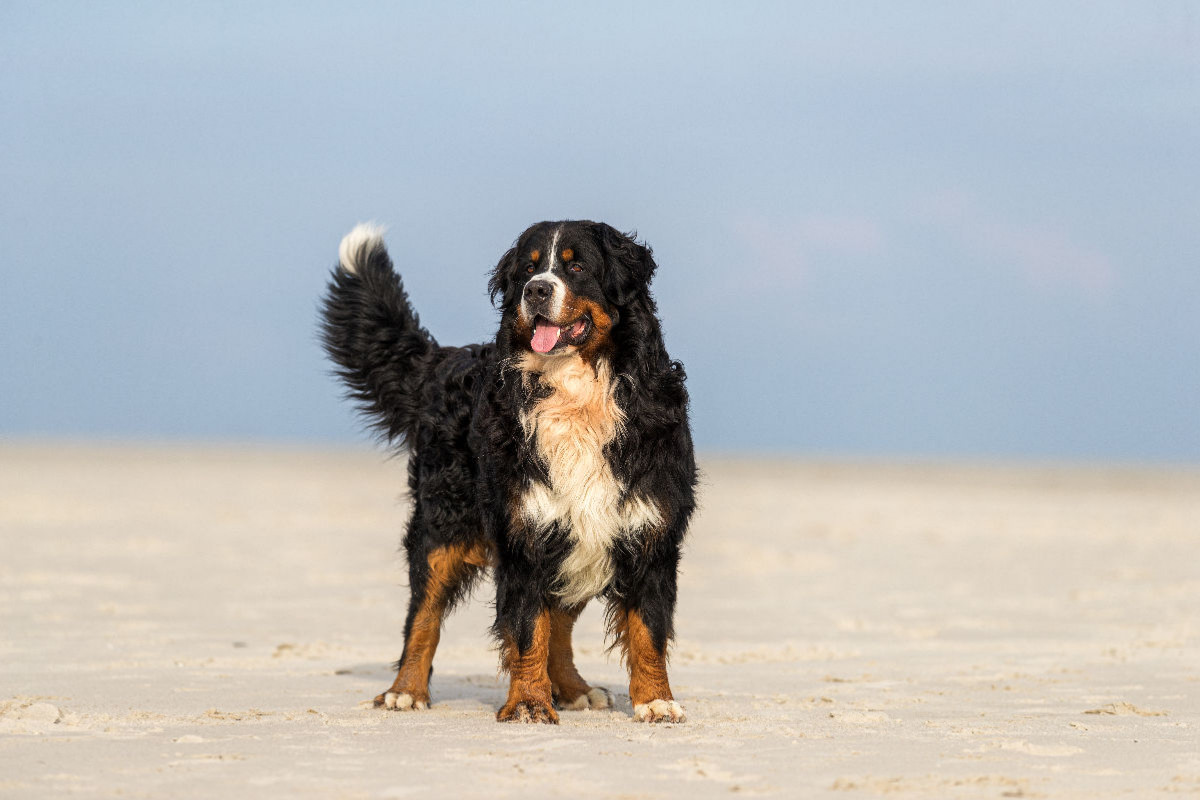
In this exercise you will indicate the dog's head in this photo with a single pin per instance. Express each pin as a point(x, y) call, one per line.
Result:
point(564, 286)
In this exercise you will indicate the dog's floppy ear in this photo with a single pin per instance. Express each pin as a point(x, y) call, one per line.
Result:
point(501, 282)
point(629, 265)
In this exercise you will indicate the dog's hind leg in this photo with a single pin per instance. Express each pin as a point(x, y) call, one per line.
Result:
point(438, 577)
point(571, 692)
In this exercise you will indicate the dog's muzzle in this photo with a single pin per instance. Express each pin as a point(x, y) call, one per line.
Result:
point(538, 295)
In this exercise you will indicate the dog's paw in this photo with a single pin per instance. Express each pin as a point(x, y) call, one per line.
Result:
point(400, 701)
point(595, 698)
point(528, 712)
point(659, 711)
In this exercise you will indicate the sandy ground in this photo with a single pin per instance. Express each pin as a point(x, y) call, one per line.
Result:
point(206, 622)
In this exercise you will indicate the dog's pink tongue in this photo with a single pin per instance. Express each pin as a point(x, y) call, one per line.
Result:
point(545, 336)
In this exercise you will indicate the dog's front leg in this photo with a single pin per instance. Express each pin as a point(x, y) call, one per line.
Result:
point(523, 627)
point(646, 654)
point(642, 615)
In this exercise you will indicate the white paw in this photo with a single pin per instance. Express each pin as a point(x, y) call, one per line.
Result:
point(578, 704)
point(403, 702)
point(659, 711)
point(596, 697)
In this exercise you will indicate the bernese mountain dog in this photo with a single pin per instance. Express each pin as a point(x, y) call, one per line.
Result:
point(559, 456)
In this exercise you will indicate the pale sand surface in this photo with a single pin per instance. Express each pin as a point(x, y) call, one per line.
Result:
point(206, 622)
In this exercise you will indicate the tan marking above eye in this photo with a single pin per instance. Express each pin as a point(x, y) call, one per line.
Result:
point(535, 255)
point(568, 254)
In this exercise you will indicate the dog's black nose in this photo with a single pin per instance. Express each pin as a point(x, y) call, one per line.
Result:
point(538, 291)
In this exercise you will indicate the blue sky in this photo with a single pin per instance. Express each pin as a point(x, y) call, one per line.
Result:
point(933, 229)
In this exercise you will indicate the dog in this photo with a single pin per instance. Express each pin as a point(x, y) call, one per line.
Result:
point(559, 456)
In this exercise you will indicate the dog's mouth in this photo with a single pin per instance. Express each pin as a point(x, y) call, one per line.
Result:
point(548, 337)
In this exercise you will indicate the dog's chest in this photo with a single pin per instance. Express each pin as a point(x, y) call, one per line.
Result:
point(571, 429)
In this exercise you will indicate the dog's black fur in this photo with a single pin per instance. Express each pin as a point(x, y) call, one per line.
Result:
point(464, 414)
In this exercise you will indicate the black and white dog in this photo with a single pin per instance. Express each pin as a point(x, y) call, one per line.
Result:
point(559, 455)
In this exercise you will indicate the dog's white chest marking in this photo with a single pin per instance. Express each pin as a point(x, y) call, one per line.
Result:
point(571, 427)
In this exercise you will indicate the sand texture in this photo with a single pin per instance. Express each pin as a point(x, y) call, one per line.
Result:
point(207, 622)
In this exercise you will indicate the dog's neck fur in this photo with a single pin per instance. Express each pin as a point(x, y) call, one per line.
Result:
point(572, 428)
point(581, 405)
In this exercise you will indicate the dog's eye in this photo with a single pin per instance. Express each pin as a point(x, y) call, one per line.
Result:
point(529, 269)
point(576, 266)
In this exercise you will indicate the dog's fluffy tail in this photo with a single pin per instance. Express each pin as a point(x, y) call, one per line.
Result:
point(373, 336)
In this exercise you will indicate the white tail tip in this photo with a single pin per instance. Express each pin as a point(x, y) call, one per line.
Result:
point(358, 244)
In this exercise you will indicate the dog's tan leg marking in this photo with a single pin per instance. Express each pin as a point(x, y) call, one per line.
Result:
point(448, 567)
point(530, 697)
point(649, 689)
point(571, 691)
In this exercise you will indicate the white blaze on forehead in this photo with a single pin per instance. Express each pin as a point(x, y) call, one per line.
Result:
point(553, 260)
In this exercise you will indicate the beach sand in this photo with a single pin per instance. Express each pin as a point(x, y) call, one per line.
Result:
point(208, 622)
